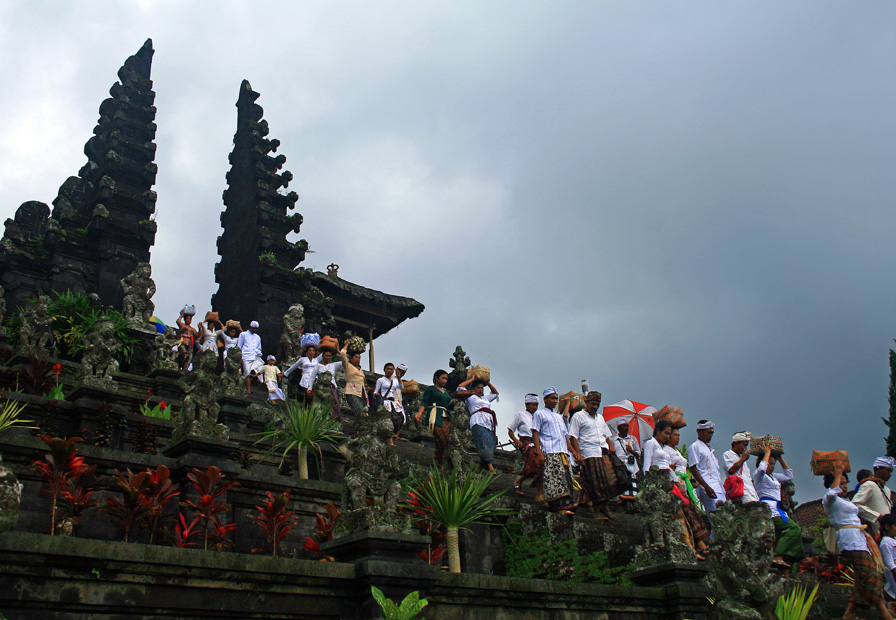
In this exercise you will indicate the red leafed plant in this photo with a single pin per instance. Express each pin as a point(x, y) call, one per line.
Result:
point(61, 466)
point(275, 520)
point(77, 497)
point(158, 491)
point(324, 523)
point(210, 487)
point(183, 532)
point(133, 505)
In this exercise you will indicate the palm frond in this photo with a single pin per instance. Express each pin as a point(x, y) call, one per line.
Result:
point(455, 503)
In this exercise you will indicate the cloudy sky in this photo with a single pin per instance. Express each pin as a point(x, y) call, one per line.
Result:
point(686, 203)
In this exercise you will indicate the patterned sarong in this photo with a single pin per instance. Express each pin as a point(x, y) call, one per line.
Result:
point(599, 480)
point(440, 436)
point(558, 484)
point(531, 467)
point(790, 539)
point(869, 586)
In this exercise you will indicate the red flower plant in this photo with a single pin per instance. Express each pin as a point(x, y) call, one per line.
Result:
point(324, 523)
point(210, 486)
point(275, 520)
point(163, 405)
point(183, 532)
point(57, 369)
point(61, 466)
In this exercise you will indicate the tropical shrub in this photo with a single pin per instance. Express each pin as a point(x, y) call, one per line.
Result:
point(796, 604)
point(133, 505)
point(453, 504)
point(324, 523)
point(275, 520)
point(211, 486)
point(60, 467)
point(302, 426)
point(9, 415)
point(408, 610)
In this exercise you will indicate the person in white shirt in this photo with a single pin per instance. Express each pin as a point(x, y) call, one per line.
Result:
point(591, 445)
point(628, 451)
point(874, 497)
point(249, 343)
point(655, 454)
point(867, 589)
point(389, 387)
point(549, 434)
point(699, 534)
point(270, 375)
point(308, 365)
point(483, 421)
point(521, 425)
point(887, 525)
point(705, 467)
point(768, 486)
point(736, 465)
point(326, 364)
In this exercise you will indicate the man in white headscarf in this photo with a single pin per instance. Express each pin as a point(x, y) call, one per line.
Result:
point(874, 498)
point(736, 465)
point(705, 467)
point(549, 434)
point(522, 426)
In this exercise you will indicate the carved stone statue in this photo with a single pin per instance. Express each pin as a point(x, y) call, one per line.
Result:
point(138, 291)
point(34, 334)
point(741, 575)
point(202, 389)
point(98, 362)
point(10, 498)
point(290, 340)
point(460, 441)
point(374, 470)
point(166, 350)
point(664, 532)
point(234, 385)
point(459, 363)
point(323, 390)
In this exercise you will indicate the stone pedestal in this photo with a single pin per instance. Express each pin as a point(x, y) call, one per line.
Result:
point(203, 447)
point(387, 560)
point(685, 588)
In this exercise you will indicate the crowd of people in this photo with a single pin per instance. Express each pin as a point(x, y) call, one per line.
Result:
point(574, 459)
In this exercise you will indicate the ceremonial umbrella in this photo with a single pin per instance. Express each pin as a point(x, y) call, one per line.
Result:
point(630, 411)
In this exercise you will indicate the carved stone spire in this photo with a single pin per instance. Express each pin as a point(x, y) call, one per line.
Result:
point(100, 227)
point(255, 273)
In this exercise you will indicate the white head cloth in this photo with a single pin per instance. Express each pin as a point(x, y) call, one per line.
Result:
point(402, 367)
point(705, 426)
point(462, 389)
point(884, 461)
point(741, 436)
point(549, 391)
point(271, 357)
point(531, 398)
point(253, 324)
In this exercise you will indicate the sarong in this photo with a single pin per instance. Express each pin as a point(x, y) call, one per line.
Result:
point(397, 421)
point(599, 480)
point(790, 539)
point(558, 484)
point(485, 441)
point(274, 391)
point(531, 467)
point(250, 366)
point(696, 524)
point(868, 586)
point(337, 408)
point(440, 435)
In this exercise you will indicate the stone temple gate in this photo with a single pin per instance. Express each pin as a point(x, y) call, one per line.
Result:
point(101, 226)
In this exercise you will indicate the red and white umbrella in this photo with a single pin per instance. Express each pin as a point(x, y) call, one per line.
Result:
point(629, 411)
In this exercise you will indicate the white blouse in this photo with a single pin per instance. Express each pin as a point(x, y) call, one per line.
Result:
point(521, 424)
point(888, 555)
point(591, 433)
point(387, 388)
point(309, 368)
point(483, 418)
point(844, 512)
point(768, 488)
point(655, 454)
point(552, 431)
point(677, 461)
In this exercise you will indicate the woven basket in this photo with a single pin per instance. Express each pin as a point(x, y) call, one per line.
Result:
point(673, 414)
point(410, 388)
point(823, 462)
point(356, 344)
point(571, 402)
point(328, 344)
point(479, 372)
point(757, 445)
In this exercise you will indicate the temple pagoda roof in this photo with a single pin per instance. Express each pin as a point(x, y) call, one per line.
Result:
point(359, 309)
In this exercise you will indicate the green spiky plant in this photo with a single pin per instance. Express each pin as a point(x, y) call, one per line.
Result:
point(796, 605)
point(302, 426)
point(9, 415)
point(408, 610)
point(453, 503)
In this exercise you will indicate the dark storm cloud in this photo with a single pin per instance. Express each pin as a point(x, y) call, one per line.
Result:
point(689, 205)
